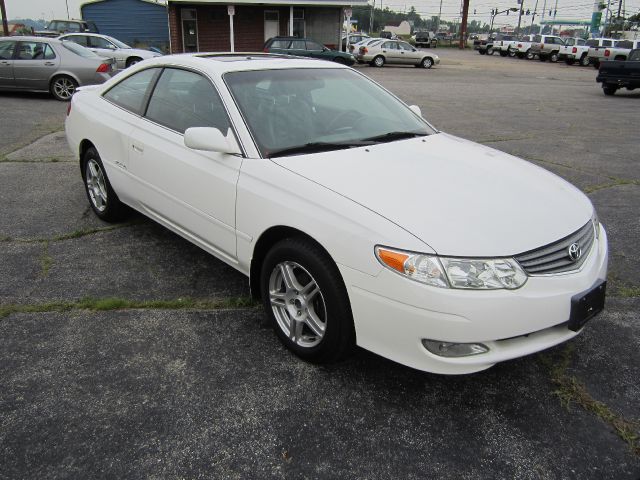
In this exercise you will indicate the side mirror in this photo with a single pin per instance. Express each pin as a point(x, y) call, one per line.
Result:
point(416, 109)
point(210, 140)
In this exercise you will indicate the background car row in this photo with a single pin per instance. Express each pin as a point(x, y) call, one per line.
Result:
point(553, 48)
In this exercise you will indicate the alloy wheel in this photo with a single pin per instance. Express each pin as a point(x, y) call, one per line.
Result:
point(64, 88)
point(96, 185)
point(298, 304)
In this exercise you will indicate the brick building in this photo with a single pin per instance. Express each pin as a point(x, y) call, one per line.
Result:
point(212, 26)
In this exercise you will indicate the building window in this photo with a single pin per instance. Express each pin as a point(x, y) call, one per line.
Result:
point(298, 23)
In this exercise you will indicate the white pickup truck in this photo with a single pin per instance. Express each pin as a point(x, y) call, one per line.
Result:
point(522, 48)
point(546, 47)
point(596, 53)
point(579, 53)
point(620, 51)
point(567, 49)
point(503, 44)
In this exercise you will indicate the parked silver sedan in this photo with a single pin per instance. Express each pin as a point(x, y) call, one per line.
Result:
point(110, 47)
point(395, 51)
point(50, 65)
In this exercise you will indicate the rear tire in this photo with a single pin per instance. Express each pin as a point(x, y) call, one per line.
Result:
point(340, 60)
point(553, 58)
point(490, 51)
point(609, 89)
point(511, 53)
point(306, 301)
point(528, 55)
point(102, 198)
point(596, 64)
point(570, 61)
point(482, 52)
point(503, 53)
point(132, 61)
point(63, 87)
point(378, 61)
point(584, 61)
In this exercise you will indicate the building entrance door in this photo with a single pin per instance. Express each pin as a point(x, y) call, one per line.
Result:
point(189, 30)
point(271, 24)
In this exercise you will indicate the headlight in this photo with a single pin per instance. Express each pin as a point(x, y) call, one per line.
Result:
point(446, 272)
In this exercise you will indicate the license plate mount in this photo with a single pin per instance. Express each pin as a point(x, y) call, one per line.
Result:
point(586, 305)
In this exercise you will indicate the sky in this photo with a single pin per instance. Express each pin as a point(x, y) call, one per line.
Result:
point(571, 9)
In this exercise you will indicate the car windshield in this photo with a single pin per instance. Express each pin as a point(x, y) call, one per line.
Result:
point(78, 49)
point(118, 43)
point(288, 110)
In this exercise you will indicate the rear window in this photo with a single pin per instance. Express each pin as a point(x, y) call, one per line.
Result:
point(79, 50)
point(537, 39)
point(592, 43)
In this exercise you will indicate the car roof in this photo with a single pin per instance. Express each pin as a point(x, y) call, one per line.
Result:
point(220, 63)
point(30, 38)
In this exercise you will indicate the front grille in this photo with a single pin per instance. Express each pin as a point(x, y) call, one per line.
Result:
point(554, 258)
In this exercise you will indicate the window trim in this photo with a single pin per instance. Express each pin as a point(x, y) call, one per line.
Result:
point(149, 93)
point(15, 50)
point(20, 42)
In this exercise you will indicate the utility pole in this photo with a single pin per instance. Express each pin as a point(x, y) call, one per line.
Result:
point(373, 7)
point(544, 9)
point(439, 15)
point(519, 17)
point(67, 3)
point(5, 25)
point(533, 17)
point(463, 24)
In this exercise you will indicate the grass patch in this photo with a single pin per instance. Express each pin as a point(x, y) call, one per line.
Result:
point(615, 183)
point(571, 391)
point(83, 232)
point(112, 304)
point(45, 260)
point(629, 292)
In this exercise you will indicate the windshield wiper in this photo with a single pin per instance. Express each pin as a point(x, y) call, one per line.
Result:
point(314, 147)
point(391, 136)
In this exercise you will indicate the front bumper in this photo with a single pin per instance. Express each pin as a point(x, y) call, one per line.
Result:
point(393, 314)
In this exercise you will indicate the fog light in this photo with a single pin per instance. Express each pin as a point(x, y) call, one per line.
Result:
point(448, 349)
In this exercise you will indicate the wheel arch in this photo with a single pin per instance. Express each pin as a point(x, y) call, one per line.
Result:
point(264, 243)
point(64, 73)
point(82, 149)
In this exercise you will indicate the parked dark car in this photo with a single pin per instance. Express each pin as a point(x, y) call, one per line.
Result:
point(57, 27)
point(426, 39)
point(306, 47)
point(616, 74)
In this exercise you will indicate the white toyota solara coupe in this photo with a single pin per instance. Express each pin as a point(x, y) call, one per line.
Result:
point(356, 221)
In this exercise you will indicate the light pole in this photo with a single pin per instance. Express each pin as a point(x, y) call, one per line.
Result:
point(67, 3)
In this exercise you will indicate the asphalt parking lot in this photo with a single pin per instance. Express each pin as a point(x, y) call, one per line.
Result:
point(126, 352)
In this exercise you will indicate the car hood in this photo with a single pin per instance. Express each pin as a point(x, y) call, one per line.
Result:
point(144, 54)
point(460, 198)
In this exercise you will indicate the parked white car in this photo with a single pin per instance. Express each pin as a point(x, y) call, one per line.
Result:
point(356, 221)
point(110, 47)
point(522, 48)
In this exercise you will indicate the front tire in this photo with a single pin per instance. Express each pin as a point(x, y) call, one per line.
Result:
point(378, 61)
point(490, 51)
point(570, 61)
point(503, 53)
point(553, 58)
point(340, 60)
point(306, 301)
point(102, 198)
point(63, 87)
point(529, 55)
point(427, 62)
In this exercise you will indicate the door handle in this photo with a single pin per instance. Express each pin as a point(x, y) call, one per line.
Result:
point(50, 64)
point(4, 62)
point(137, 148)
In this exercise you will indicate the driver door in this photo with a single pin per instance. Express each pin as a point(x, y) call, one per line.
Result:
point(7, 47)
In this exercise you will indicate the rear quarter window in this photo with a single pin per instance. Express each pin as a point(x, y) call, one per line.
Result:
point(131, 93)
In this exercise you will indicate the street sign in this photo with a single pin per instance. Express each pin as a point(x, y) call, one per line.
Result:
point(348, 12)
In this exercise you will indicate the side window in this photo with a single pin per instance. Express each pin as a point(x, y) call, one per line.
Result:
point(184, 99)
point(79, 39)
point(131, 92)
point(279, 44)
point(297, 45)
point(35, 51)
point(98, 42)
point(606, 43)
point(73, 27)
point(6, 50)
point(389, 45)
point(313, 46)
point(406, 46)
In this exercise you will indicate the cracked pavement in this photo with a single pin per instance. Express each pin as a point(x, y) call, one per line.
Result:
point(211, 393)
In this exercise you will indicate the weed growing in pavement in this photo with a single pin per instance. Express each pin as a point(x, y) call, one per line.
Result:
point(571, 391)
point(629, 292)
point(111, 304)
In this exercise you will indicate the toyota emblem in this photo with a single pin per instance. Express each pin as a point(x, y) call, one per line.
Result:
point(575, 252)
